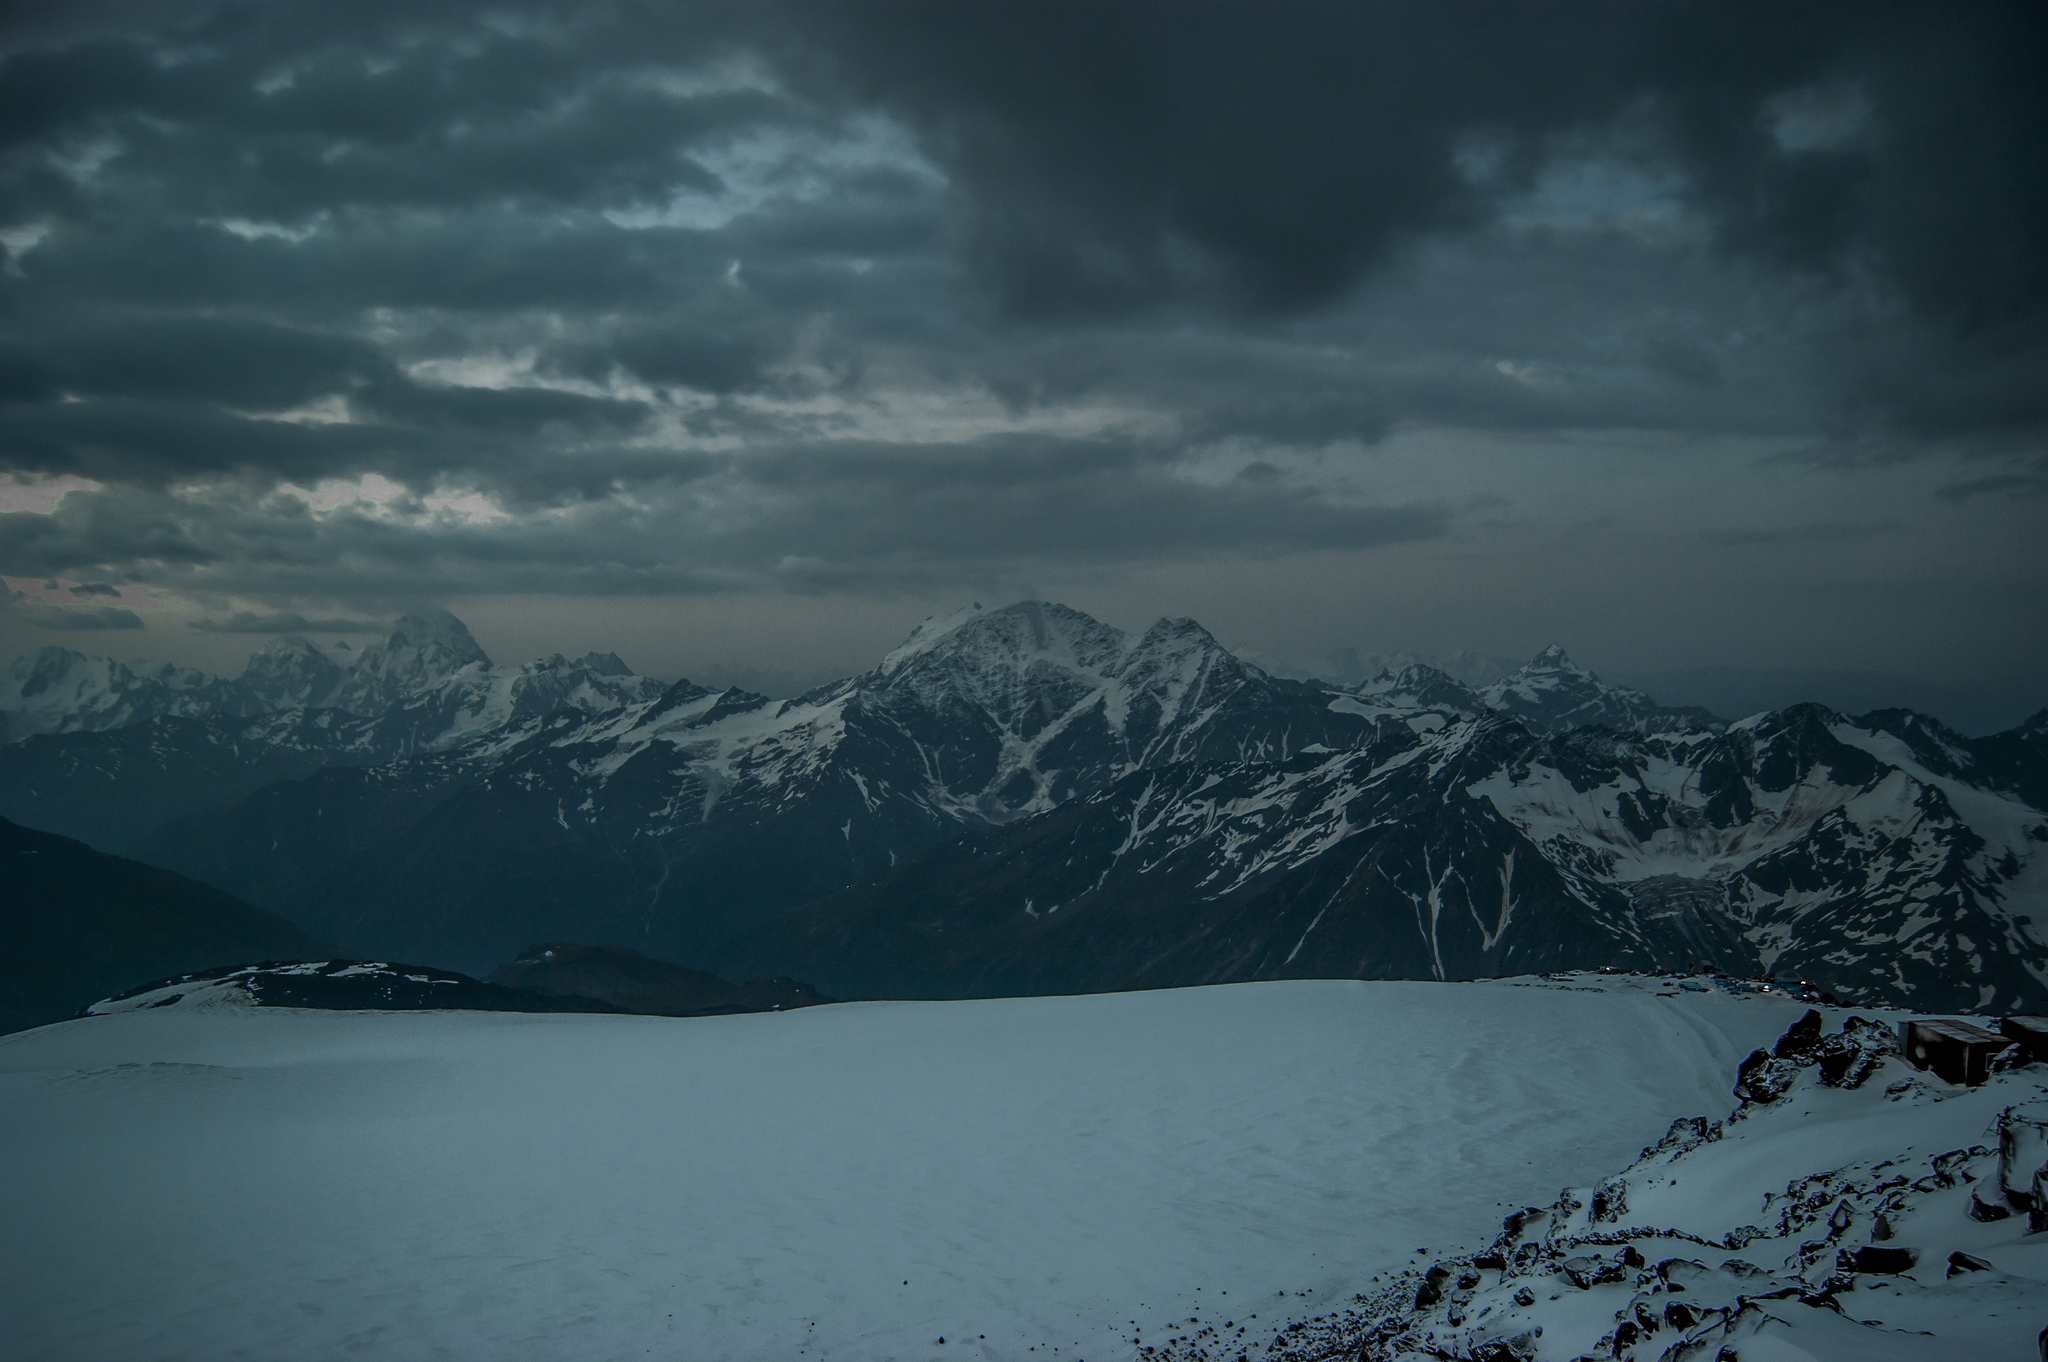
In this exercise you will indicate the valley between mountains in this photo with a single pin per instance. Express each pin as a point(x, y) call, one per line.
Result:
point(1027, 800)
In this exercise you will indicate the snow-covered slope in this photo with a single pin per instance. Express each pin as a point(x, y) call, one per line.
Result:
point(849, 1182)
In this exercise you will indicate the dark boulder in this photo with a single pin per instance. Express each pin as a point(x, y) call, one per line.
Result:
point(1801, 1040)
point(1764, 1079)
point(1871, 1258)
point(1432, 1289)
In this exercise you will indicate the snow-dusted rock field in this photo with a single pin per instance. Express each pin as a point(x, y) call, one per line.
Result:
point(1067, 1178)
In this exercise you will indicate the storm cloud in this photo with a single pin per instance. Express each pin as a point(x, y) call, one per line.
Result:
point(317, 312)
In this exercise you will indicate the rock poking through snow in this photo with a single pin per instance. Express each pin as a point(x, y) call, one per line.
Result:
point(1830, 1217)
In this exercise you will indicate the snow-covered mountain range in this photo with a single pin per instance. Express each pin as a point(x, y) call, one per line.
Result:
point(1026, 799)
point(1880, 858)
point(106, 752)
point(430, 667)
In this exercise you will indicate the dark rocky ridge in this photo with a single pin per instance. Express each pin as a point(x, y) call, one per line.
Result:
point(637, 983)
point(340, 986)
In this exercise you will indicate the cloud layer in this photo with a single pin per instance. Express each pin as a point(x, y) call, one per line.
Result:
point(326, 310)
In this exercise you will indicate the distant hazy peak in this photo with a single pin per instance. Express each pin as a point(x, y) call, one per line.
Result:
point(436, 630)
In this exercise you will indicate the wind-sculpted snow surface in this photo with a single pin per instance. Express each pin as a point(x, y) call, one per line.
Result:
point(1798, 843)
point(848, 1182)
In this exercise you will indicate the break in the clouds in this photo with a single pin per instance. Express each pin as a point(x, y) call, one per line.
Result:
point(310, 312)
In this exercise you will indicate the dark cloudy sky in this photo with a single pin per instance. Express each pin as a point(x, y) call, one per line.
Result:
point(1684, 335)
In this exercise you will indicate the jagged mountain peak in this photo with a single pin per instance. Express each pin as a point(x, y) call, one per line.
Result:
point(1180, 630)
point(424, 653)
point(290, 670)
point(36, 672)
point(1554, 659)
point(435, 631)
point(1010, 638)
point(1552, 693)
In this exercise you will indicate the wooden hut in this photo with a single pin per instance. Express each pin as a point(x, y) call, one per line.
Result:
point(2031, 1032)
point(1956, 1051)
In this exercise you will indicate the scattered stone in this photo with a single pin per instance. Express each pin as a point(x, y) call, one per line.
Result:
point(1960, 1262)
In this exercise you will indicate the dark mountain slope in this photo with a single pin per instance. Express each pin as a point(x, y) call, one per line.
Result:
point(81, 925)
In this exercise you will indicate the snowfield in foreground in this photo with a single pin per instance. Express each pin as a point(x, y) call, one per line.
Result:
point(1024, 1178)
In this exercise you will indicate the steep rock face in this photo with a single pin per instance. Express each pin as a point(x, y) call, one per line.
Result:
point(1800, 843)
